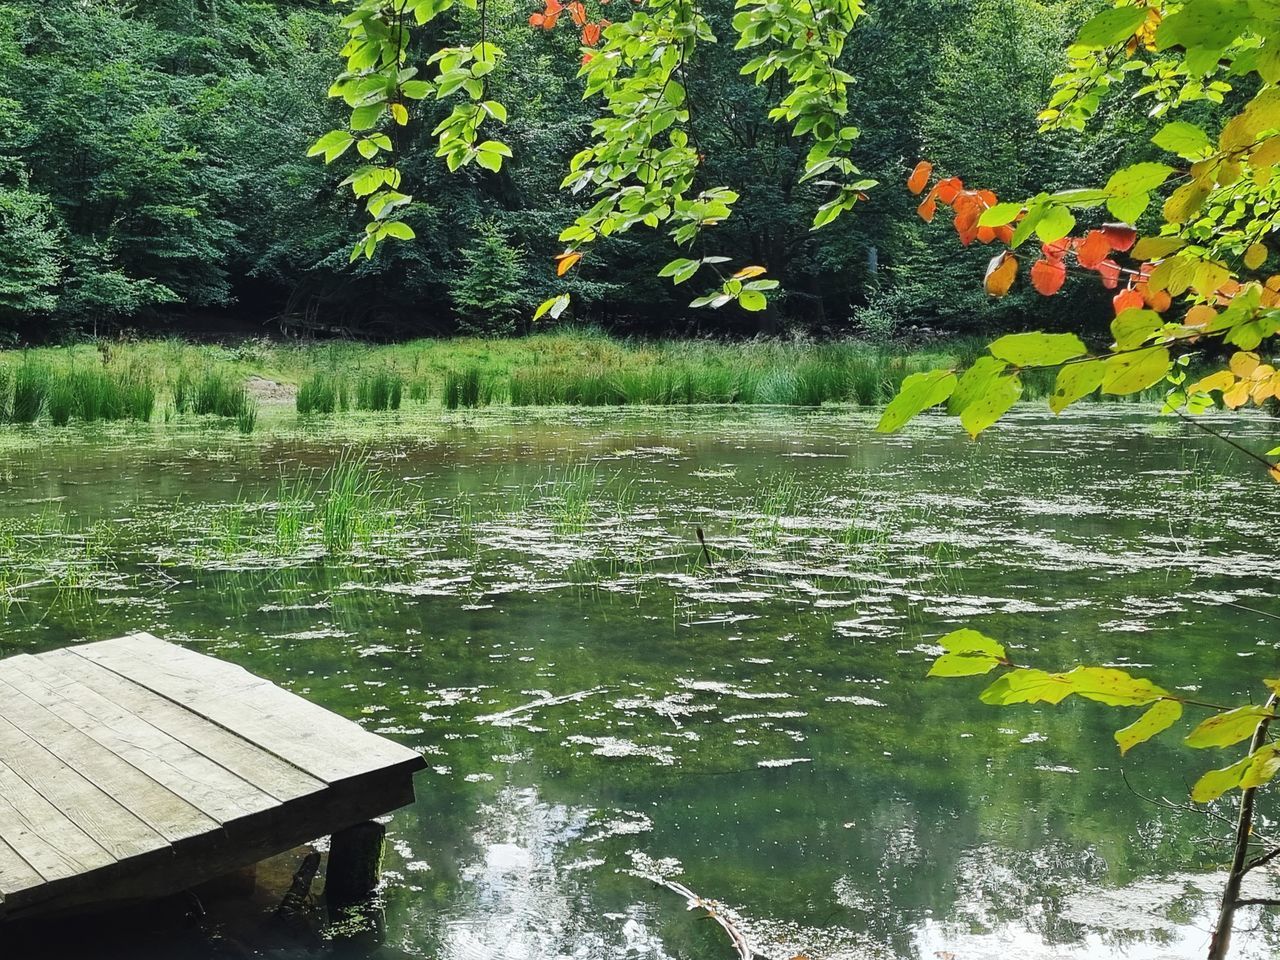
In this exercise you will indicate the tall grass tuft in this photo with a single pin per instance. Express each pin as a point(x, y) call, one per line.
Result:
point(30, 391)
point(349, 504)
point(319, 393)
point(466, 388)
point(380, 390)
point(215, 392)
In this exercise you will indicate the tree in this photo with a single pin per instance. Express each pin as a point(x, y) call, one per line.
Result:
point(31, 267)
point(1196, 283)
point(487, 287)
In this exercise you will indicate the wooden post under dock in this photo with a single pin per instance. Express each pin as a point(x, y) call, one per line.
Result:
point(135, 768)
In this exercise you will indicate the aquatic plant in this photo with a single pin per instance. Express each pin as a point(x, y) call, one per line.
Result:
point(381, 390)
point(319, 393)
point(466, 388)
point(30, 391)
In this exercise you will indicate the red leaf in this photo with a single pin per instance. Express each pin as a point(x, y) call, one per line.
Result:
point(1127, 299)
point(587, 57)
point(1056, 250)
point(1093, 249)
point(1109, 270)
point(1047, 276)
point(1121, 236)
point(1001, 271)
point(919, 176)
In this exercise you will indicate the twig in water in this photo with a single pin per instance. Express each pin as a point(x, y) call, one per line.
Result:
point(714, 911)
point(706, 554)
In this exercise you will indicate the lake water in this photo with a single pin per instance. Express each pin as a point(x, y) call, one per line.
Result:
point(603, 708)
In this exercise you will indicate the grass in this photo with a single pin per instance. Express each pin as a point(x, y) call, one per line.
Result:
point(567, 368)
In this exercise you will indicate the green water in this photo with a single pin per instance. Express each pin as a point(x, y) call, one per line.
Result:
point(599, 705)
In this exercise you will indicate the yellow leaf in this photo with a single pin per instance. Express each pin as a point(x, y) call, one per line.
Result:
point(1221, 380)
point(1244, 363)
point(746, 273)
point(1237, 396)
point(1255, 256)
point(565, 262)
point(1224, 729)
point(400, 113)
point(1161, 716)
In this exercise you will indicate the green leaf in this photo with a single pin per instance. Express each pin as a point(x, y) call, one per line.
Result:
point(398, 229)
point(1158, 718)
point(968, 653)
point(364, 118)
point(1074, 382)
point(919, 392)
point(1001, 393)
point(680, 269)
point(1056, 223)
point(752, 300)
point(1027, 685)
point(555, 306)
point(1110, 27)
point(1224, 729)
point(1126, 373)
point(1113, 687)
point(1130, 189)
point(1134, 327)
point(416, 89)
point(999, 215)
point(1185, 139)
point(1038, 349)
point(1217, 782)
point(1264, 765)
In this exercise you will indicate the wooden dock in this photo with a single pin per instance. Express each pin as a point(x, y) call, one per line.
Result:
point(135, 768)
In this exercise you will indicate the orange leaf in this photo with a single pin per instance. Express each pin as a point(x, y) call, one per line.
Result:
point(1056, 250)
point(1127, 299)
point(577, 12)
point(1199, 315)
point(1109, 270)
point(591, 34)
point(927, 209)
point(550, 20)
point(1093, 249)
point(553, 7)
point(1001, 271)
point(986, 234)
point(919, 176)
point(565, 262)
point(1159, 301)
point(1121, 236)
point(587, 57)
point(536, 19)
point(1005, 234)
point(948, 188)
point(1047, 276)
point(746, 273)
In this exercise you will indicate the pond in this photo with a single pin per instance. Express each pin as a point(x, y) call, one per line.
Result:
point(609, 710)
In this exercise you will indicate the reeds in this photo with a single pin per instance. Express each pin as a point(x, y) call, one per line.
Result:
point(380, 390)
point(319, 393)
point(468, 387)
point(215, 392)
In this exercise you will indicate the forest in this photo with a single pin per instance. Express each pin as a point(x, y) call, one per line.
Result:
point(154, 177)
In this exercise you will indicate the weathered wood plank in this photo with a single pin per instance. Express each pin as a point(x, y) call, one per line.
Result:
point(325, 745)
point(15, 873)
point(159, 808)
point(112, 826)
point(174, 785)
point(39, 832)
point(264, 770)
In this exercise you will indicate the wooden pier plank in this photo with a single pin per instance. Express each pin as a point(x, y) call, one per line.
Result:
point(201, 794)
point(323, 744)
point(15, 873)
point(266, 771)
point(42, 835)
point(112, 826)
point(118, 759)
point(149, 800)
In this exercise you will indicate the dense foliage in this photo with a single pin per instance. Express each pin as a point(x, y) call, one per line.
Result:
point(152, 167)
